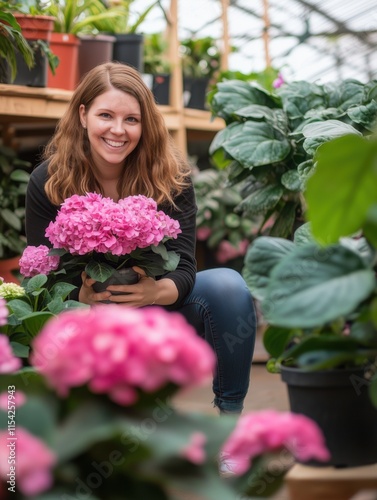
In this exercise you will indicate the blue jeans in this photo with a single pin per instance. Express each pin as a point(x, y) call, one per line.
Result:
point(221, 309)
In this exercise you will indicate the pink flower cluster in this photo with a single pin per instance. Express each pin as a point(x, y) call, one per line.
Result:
point(118, 350)
point(8, 362)
point(267, 430)
point(226, 251)
point(93, 223)
point(35, 260)
point(33, 465)
point(3, 311)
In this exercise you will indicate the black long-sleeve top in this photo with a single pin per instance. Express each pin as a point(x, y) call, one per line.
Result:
point(40, 212)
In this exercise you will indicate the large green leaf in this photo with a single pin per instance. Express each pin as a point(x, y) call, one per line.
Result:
point(342, 188)
point(232, 95)
point(224, 135)
point(329, 128)
point(257, 144)
point(365, 115)
point(261, 200)
point(262, 256)
point(275, 340)
point(345, 93)
point(34, 323)
point(312, 286)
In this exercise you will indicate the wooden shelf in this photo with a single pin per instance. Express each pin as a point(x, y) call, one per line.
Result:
point(24, 105)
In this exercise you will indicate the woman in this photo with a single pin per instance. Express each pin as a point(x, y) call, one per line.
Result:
point(113, 140)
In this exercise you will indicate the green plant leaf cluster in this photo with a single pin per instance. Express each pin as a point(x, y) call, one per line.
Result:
point(41, 302)
point(216, 202)
point(11, 41)
point(13, 183)
point(114, 17)
point(271, 138)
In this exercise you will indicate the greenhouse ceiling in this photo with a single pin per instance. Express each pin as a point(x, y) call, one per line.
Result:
point(314, 40)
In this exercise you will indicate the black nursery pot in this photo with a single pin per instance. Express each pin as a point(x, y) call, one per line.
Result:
point(126, 276)
point(338, 401)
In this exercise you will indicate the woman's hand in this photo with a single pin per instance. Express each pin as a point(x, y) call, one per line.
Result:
point(143, 293)
point(87, 295)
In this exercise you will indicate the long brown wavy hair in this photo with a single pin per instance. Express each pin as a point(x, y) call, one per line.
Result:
point(155, 168)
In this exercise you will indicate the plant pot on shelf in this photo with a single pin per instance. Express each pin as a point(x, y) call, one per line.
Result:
point(94, 50)
point(195, 92)
point(34, 29)
point(159, 84)
point(124, 276)
point(128, 49)
point(66, 47)
point(339, 402)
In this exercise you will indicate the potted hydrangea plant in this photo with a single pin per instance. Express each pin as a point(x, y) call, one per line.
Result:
point(100, 236)
point(95, 417)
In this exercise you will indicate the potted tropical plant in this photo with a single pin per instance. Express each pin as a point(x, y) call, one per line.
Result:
point(12, 41)
point(200, 65)
point(36, 27)
point(271, 136)
point(128, 46)
point(73, 19)
point(319, 295)
point(14, 179)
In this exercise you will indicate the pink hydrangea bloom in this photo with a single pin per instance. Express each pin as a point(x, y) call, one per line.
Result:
point(268, 430)
point(93, 223)
point(33, 465)
point(3, 311)
point(18, 400)
point(35, 260)
point(8, 362)
point(116, 350)
point(194, 451)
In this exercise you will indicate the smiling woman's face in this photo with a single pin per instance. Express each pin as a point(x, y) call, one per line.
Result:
point(113, 124)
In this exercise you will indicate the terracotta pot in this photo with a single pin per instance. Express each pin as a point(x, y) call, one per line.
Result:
point(6, 268)
point(66, 47)
point(35, 27)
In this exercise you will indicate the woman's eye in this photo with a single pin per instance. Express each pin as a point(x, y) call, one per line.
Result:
point(132, 119)
point(105, 115)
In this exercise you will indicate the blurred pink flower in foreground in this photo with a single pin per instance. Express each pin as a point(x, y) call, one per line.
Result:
point(267, 430)
point(33, 462)
point(18, 399)
point(194, 451)
point(3, 311)
point(118, 350)
point(8, 362)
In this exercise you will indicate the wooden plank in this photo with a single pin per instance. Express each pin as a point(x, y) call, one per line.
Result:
point(319, 483)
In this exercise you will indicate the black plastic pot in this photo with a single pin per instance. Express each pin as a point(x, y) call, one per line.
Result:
point(338, 401)
point(33, 77)
point(128, 49)
point(195, 92)
point(125, 276)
